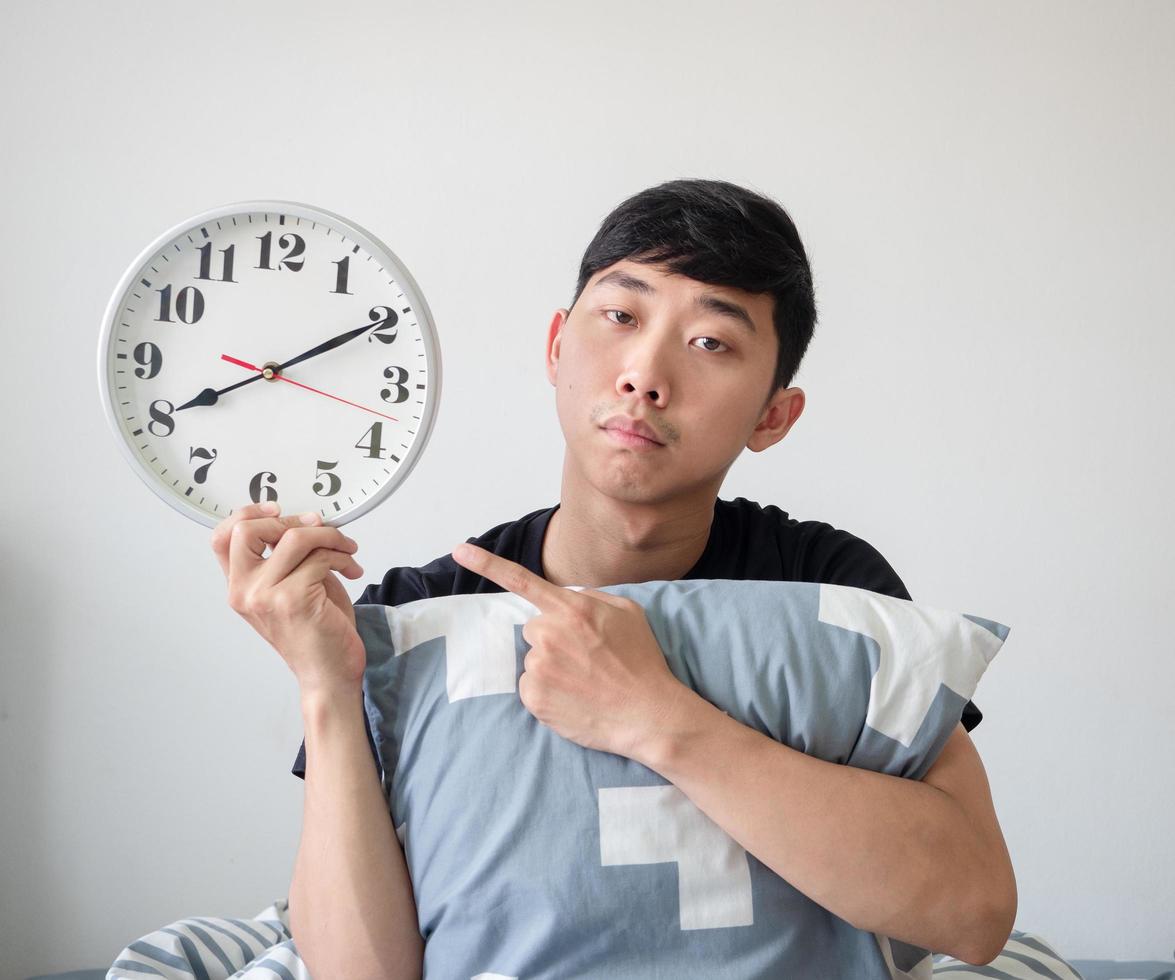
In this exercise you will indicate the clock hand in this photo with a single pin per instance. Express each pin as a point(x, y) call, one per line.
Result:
point(209, 396)
point(329, 344)
point(253, 367)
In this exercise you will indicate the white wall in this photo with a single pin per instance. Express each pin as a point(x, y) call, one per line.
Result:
point(986, 196)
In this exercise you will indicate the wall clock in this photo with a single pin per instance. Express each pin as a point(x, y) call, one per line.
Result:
point(269, 350)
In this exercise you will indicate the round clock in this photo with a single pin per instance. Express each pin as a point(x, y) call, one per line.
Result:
point(269, 350)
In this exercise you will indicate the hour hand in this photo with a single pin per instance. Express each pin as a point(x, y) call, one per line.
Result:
point(209, 397)
point(206, 397)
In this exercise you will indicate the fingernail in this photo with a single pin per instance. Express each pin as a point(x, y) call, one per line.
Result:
point(270, 507)
point(307, 518)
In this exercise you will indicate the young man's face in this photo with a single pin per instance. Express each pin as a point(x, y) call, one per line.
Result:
point(678, 355)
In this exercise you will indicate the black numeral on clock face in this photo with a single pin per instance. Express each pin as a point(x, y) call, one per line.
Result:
point(206, 263)
point(397, 383)
point(333, 484)
point(187, 300)
point(295, 243)
point(385, 326)
point(160, 411)
point(341, 278)
point(151, 357)
point(208, 454)
point(261, 488)
point(374, 449)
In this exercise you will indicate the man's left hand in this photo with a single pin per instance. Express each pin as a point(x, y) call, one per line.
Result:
point(594, 673)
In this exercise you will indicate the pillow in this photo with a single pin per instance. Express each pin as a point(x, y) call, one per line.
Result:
point(531, 856)
point(215, 948)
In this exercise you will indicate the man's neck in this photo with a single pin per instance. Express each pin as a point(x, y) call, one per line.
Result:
point(610, 542)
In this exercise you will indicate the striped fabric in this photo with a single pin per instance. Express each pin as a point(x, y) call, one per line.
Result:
point(1026, 956)
point(206, 948)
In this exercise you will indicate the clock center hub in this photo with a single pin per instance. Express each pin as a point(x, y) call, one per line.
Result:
point(271, 371)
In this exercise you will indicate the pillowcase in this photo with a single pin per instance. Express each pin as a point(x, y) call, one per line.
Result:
point(531, 856)
point(215, 948)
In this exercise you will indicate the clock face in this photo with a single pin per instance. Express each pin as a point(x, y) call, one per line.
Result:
point(269, 351)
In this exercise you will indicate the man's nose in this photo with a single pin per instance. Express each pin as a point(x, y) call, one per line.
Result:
point(646, 369)
point(644, 381)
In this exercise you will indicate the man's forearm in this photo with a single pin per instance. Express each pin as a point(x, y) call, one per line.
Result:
point(888, 855)
point(352, 911)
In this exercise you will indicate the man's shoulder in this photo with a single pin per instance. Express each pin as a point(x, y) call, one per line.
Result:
point(814, 550)
point(753, 518)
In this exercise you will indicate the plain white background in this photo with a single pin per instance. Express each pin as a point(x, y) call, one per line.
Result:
point(985, 194)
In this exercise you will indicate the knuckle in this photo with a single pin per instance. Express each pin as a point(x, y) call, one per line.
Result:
point(535, 701)
point(582, 617)
point(287, 540)
point(322, 559)
point(254, 603)
point(221, 532)
point(282, 604)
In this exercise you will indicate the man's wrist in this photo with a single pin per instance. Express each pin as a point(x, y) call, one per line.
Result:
point(322, 704)
point(677, 724)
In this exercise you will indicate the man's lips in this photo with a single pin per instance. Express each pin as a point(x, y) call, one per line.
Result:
point(632, 439)
point(631, 426)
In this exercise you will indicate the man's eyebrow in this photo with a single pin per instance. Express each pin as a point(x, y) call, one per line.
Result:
point(707, 301)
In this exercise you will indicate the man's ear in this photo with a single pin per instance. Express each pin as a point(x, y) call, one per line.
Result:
point(779, 415)
point(554, 342)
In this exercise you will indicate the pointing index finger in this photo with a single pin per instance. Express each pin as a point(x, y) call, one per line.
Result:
point(512, 577)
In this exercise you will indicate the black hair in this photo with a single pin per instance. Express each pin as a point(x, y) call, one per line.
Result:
point(722, 234)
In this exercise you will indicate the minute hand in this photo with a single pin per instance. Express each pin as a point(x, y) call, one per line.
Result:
point(327, 345)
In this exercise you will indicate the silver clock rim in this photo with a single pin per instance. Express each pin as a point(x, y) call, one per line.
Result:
point(358, 234)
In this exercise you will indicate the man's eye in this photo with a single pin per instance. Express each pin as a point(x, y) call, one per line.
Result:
point(630, 318)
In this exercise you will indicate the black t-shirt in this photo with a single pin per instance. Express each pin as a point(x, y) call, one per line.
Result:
point(747, 542)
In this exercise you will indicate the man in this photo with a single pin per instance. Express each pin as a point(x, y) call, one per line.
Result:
point(693, 309)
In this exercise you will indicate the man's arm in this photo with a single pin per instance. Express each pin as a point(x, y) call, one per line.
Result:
point(352, 910)
point(923, 862)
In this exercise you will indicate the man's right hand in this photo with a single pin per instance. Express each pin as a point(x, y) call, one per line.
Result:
point(292, 598)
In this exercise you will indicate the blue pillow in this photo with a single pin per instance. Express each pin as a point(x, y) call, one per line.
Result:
point(531, 856)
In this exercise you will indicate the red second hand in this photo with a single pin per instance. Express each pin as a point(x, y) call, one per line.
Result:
point(254, 367)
